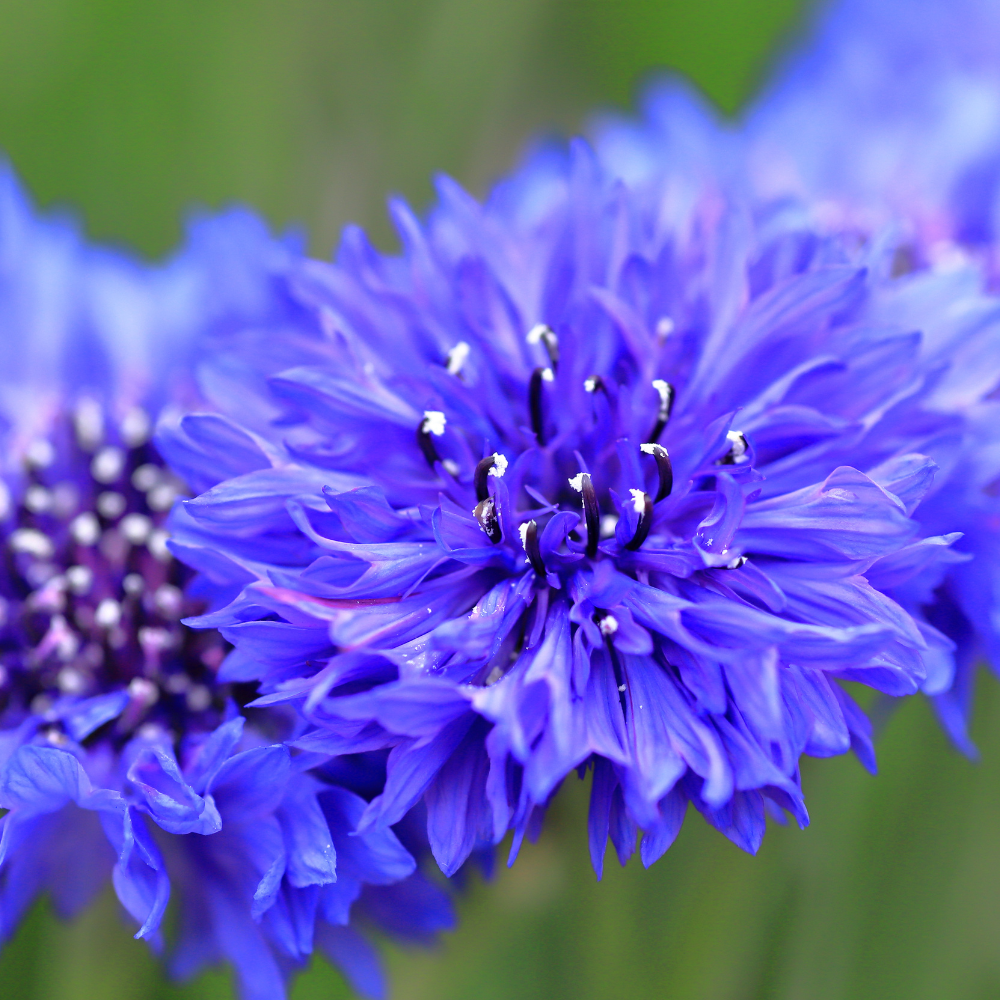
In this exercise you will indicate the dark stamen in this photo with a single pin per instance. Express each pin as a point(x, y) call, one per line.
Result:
point(664, 469)
point(666, 391)
point(738, 447)
point(529, 538)
point(481, 476)
point(608, 625)
point(544, 333)
point(432, 425)
point(645, 521)
point(591, 510)
point(486, 514)
point(538, 378)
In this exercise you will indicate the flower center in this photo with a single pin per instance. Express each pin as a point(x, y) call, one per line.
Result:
point(92, 597)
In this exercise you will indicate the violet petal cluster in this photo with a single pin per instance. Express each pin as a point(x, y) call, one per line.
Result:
point(608, 476)
point(123, 757)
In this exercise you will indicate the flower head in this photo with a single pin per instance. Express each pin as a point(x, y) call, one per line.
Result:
point(601, 474)
point(121, 753)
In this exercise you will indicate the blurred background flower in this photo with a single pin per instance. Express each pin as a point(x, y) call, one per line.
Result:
point(313, 111)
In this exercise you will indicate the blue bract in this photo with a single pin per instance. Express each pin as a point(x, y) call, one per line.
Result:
point(608, 475)
point(122, 755)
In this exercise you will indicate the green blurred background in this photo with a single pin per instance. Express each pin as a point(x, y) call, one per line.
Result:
point(133, 112)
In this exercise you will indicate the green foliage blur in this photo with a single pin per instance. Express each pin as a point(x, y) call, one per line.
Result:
point(131, 113)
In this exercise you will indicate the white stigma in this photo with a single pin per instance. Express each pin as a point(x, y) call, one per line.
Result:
point(80, 579)
point(136, 528)
point(144, 691)
point(88, 422)
point(169, 600)
point(664, 327)
point(547, 375)
point(590, 384)
point(32, 543)
point(111, 505)
point(85, 528)
point(108, 613)
point(576, 483)
point(457, 357)
point(433, 422)
point(608, 625)
point(161, 496)
point(157, 544)
point(40, 454)
point(70, 681)
point(737, 445)
point(145, 477)
point(107, 464)
point(638, 501)
point(37, 499)
point(499, 466)
point(198, 698)
point(135, 427)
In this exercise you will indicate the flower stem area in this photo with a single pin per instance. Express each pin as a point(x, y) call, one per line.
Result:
point(890, 892)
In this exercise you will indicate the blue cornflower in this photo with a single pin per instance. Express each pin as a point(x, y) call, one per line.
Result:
point(602, 474)
point(122, 755)
point(887, 119)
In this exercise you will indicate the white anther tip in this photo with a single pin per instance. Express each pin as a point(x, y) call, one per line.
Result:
point(608, 625)
point(433, 423)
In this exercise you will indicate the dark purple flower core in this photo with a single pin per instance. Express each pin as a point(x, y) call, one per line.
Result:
point(92, 597)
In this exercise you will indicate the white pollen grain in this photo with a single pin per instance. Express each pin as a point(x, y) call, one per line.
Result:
point(457, 357)
point(157, 544)
point(608, 625)
point(31, 542)
point(499, 466)
point(576, 483)
point(85, 528)
point(162, 496)
point(433, 423)
point(136, 528)
point(108, 464)
point(523, 532)
point(638, 501)
point(88, 423)
point(146, 477)
point(135, 427)
point(108, 613)
point(548, 375)
point(40, 454)
point(37, 499)
point(664, 327)
point(80, 579)
point(198, 698)
point(143, 691)
point(111, 505)
point(536, 333)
